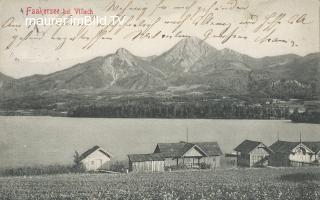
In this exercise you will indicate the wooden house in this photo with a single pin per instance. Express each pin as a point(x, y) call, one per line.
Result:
point(294, 153)
point(252, 154)
point(190, 155)
point(95, 158)
point(146, 162)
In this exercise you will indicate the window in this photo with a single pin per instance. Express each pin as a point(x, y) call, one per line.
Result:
point(302, 151)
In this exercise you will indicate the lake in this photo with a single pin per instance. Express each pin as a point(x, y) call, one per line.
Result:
point(46, 140)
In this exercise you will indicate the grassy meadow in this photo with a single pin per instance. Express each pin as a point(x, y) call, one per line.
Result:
point(237, 184)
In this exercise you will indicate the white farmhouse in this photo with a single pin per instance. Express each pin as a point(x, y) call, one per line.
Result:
point(302, 153)
point(286, 153)
point(95, 158)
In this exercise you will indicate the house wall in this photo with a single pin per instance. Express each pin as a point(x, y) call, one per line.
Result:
point(278, 159)
point(213, 161)
point(96, 160)
point(190, 162)
point(255, 158)
point(146, 166)
point(169, 162)
point(243, 160)
point(300, 157)
point(259, 156)
point(302, 154)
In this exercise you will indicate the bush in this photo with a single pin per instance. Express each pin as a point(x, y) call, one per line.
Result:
point(37, 170)
point(78, 166)
point(118, 167)
point(204, 165)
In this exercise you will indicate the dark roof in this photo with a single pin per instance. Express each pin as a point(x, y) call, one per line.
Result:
point(314, 146)
point(286, 147)
point(210, 148)
point(93, 149)
point(169, 150)
point(283, 146)
point(145, 157)
point(247, 146)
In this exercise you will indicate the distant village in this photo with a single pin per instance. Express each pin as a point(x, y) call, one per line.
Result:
point(208, 155)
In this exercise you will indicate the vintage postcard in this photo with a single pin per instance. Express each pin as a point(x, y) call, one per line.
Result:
point(159, 99)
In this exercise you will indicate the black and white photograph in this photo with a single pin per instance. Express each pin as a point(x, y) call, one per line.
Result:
point(159, 100)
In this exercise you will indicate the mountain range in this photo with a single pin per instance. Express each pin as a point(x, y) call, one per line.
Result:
point(191, 63)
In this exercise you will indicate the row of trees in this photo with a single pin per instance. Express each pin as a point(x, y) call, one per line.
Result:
point(207, 110)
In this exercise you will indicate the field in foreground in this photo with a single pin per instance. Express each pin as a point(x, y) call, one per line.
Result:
point(285, 183)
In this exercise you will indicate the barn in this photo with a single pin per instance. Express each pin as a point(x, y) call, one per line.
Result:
point(95, 158)
point(287, 153)
point(252, 154)
point(190, 155)
point(146, 162)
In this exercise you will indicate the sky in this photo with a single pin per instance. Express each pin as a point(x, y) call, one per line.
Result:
point(298, 25)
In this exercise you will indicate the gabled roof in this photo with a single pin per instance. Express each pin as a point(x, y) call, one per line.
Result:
point(314, 146)
point(145, 157)
point(247, 146)
point(210, 148)
point(283, 146)
point(169, 150)
point(189, 146)
point(93, 149)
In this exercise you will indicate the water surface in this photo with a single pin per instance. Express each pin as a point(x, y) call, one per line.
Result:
point(45, 140)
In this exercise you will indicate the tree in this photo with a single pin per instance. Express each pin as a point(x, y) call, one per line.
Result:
point(78, 167)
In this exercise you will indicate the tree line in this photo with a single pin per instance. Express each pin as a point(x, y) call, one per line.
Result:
point(206, 110)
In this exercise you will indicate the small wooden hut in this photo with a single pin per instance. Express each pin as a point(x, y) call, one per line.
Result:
point(252, 154)
point(146, 162)
point(95, 158)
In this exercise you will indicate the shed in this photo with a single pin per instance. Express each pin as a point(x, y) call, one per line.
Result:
point(152, 162)
point(252, 154)
point(95, 158)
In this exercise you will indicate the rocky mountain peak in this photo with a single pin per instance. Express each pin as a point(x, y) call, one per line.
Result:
point(193, 44)
point(124, 53)
point(187, 52)
point(194, 41)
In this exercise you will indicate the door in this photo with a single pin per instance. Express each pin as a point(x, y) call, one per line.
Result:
point(98, 163)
